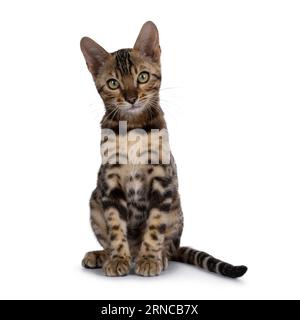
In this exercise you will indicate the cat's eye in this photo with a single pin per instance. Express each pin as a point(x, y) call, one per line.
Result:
point(113, 84)
point(143, 77)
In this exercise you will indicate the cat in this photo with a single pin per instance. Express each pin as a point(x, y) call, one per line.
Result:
point(135, 210)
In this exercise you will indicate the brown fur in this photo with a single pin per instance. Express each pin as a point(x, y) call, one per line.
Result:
point(135, 209)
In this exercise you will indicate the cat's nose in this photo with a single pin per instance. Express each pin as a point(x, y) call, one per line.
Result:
point(131, 100)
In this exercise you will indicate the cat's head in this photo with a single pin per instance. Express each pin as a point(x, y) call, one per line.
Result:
point(128, 80)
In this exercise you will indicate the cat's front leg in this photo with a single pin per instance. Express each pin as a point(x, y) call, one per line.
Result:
point(115, 213)
point(118, 263)
point(151, 259)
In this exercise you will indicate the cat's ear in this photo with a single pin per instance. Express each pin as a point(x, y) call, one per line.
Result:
point(148, 41)
point(95, 56)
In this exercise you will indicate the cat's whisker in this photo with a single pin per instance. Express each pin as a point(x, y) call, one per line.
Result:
point(109, 114)
point(170, 88)
point(170, 105)
point(116, 113)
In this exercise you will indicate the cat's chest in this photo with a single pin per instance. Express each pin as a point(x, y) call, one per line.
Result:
point(135, 184)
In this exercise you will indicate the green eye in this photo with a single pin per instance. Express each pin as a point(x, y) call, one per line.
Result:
point(143, 77)
point(113, 84)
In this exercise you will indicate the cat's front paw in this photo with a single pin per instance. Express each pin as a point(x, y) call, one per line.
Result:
point(116, 267)
point(149, 266)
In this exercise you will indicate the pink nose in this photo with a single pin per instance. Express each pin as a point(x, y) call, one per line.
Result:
point(131, 100)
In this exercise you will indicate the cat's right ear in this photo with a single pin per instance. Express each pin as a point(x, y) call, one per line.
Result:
point(95, 56)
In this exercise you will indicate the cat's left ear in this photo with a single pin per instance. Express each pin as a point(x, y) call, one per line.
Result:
point(148, 41)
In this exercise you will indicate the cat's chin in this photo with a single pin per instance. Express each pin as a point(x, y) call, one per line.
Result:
point(135, 108)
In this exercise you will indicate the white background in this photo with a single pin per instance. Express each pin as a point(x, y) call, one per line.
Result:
point(233, 111)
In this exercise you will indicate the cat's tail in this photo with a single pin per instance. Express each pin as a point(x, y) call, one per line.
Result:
point(208, 262)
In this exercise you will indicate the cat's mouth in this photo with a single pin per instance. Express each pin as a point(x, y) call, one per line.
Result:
point(136, 106)
point(133, 107)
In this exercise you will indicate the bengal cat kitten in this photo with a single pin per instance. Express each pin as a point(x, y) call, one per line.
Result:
point(135, 208)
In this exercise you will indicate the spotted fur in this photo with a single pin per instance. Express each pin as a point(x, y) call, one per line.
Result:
point(135, 208)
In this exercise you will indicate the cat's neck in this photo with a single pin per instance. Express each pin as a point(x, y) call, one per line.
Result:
point(147, 120)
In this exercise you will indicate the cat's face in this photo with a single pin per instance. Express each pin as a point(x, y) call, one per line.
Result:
point(128, 80)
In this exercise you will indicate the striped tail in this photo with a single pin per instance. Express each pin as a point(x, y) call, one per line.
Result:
point(208, 262)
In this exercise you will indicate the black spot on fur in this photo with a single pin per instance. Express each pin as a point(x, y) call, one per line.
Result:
point(120, 247)
point(162, 228)
point(154, 236)
point(139, 206)
point(123, 212)
point(117, 193)
point(113, 175)
point(113, 236)
point(117, 165)
point(164, 181)
point(131, 192)
point(168, 194)
point(165, 207)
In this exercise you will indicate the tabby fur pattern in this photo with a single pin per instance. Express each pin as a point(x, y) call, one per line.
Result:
point(135, 209)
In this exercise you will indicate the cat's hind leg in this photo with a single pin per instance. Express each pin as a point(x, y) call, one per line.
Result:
point(94, 259)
